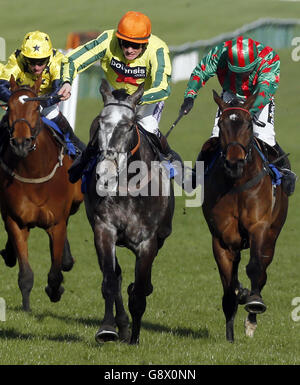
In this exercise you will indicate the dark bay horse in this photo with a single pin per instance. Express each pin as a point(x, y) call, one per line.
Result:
point(35, 191)
point(119, 217)
point(243, 210)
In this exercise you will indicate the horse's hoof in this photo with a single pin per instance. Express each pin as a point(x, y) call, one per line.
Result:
point(255, 305)
point(54, 295)
point(134, 340)
point(124, 334)
point(106, 334)
point(242, 295)
point(26, 308)
point(10, 262)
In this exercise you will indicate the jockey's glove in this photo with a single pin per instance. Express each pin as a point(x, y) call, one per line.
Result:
point(186, 106)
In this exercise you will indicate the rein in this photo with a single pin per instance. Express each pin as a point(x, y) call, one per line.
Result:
point(134, 150)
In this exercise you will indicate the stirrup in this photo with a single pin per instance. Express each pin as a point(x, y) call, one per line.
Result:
point(288, 181)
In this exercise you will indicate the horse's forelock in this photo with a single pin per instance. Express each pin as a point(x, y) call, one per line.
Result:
point(120, 94)
point(236, 102)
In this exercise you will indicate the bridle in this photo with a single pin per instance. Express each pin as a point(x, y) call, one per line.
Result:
point(137, 146)
point(33, 130)
point(104, 156)
point(247, 149)
point(37, 128)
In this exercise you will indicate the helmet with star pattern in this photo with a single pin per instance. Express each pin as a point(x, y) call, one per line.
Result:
point(36, 45)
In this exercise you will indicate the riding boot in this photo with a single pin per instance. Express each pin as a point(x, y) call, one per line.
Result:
point(288, 177)
point(80, 163)
point(168, 153)
point(206, 155)
point(66, 129)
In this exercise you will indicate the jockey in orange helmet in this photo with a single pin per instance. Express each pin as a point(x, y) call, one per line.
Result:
point(35, 58)
point(129, 56)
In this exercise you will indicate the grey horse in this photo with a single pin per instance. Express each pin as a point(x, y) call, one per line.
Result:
point(127, 208)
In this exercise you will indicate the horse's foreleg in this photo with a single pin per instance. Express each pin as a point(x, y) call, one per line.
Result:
point(67, 259)
point(228, 262)
point(57, 237)
point(18, 238)
point(142, 287)
point(121, 318)
point(105, 239)
point(262, 244)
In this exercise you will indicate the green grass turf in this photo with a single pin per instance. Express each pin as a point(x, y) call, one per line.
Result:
point(184, 322)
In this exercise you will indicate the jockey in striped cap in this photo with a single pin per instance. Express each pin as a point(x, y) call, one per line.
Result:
point(243, 67)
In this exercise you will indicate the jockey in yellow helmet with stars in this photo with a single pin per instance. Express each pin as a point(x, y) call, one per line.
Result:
point(36, 57)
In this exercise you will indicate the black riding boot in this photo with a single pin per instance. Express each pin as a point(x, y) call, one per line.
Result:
point(65, 127)
point(206, 155)
point(80, 163)
point(288, 177)
point(168, 153)
point(4, 125)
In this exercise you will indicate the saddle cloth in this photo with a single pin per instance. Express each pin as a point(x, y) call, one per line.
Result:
point(71, 150)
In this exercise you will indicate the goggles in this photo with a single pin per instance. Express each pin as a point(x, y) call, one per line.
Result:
point(127, 44)
point(37, 62)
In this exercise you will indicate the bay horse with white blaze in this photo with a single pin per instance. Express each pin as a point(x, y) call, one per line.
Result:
point(139, 222)
point(243, 210)
point(35, 191)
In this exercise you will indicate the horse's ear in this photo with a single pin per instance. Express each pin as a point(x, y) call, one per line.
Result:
point(13, 83)
point(135, 97)
point(250, 101)
point(220, 102)
point(105, 90)
point(37, 84)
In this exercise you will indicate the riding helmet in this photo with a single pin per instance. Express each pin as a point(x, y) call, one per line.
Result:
point(36, 45)
point(134, 27)
point(242, 54)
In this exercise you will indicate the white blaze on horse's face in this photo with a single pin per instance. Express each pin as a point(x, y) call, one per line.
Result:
point(22, 99)
point(110, 117)
point(233, 117)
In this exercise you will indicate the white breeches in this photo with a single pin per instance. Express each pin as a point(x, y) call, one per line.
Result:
point(50, 112)
point(149, 116)
point(265, 116)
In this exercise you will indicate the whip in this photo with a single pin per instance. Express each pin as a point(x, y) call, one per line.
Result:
point(174, 124)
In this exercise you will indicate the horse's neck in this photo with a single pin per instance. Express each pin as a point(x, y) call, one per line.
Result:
point(145, 152)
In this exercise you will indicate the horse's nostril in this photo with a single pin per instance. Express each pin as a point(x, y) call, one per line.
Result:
point(27, 141)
